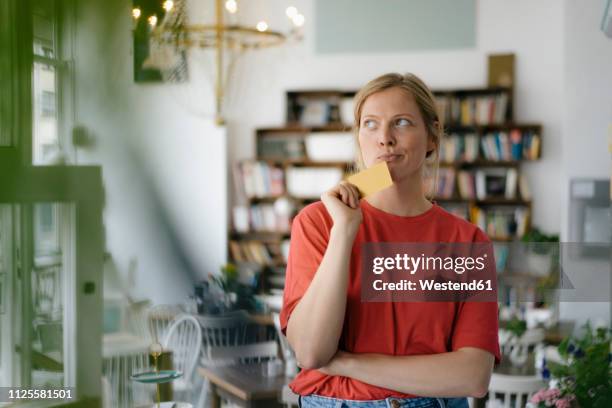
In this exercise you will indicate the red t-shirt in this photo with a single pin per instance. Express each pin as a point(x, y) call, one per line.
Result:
point(391, 328)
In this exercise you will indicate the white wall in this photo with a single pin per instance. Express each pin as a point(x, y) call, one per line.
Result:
point(164, 163)
point(587, 114)
point(502, 26)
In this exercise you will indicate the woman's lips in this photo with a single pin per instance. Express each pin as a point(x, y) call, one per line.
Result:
point(389, 157)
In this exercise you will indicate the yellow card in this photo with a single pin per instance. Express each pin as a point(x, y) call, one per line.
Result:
point(372, 180)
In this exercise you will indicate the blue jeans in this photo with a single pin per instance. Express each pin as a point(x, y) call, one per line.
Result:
point(317, 401)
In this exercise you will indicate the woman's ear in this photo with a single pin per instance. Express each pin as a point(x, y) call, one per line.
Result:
point(431, 147)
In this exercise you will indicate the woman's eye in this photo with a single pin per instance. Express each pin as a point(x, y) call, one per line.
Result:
point(368, 123)
point(403, 122)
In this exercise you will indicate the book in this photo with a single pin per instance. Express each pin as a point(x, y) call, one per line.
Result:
point(511, 182)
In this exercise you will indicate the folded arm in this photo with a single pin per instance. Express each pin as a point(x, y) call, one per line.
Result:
point(462, 373)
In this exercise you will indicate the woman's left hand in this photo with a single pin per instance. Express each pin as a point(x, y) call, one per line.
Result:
point(338, 364)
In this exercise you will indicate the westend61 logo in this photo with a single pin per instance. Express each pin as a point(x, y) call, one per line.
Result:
point(416, 272)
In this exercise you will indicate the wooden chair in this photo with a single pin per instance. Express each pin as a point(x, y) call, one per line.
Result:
point(515, 390)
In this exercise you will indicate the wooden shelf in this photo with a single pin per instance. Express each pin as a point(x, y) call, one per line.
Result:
point(304, 163)
point(286, 147)
point(484, 163)
point(270, 236)
point(458, 127)
point(488, 201)
point(471, 91)
point(299, 129)
point(257, 200)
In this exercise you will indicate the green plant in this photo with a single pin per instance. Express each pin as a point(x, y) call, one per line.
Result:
point(516, 326)
point(228, 281)
point(586, 371)
point(540, 243)
point(535, 235)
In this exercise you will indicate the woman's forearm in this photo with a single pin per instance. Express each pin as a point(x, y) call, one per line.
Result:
point(462, 373)
point(315, 324)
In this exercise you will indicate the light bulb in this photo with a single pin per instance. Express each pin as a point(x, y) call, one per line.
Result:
point(291, 12)
point(136, 13)
point(152, 20)
point(262, 26)
point(231, 6)
point(168, 5)
point(298, 20)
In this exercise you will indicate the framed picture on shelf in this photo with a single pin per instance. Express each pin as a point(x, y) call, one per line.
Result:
point(498, 183)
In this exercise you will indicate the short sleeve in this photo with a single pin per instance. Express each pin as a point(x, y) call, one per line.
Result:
point(309, 238)
point(476, 325)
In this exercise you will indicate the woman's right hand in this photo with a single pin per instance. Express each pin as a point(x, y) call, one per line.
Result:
point(342, 204)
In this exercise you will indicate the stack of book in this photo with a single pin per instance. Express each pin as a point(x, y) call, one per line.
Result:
point(487, 183)
point(459, 148)
point(474, 110)
point(502, 222)
point(258, 179)
point(253, 251)
point(467, 184)
point(446, 183)
point(508, 146)
point(263, 218)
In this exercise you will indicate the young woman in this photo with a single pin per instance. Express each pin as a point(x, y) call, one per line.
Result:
point(391, 354)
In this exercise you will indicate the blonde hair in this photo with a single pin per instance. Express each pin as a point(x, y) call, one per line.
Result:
point(426, 102)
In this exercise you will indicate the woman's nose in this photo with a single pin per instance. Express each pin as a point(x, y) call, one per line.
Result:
point(385, 138)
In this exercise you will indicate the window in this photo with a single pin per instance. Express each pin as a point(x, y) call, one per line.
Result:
point(51, 82)
point(47, 321)
point(48, 104)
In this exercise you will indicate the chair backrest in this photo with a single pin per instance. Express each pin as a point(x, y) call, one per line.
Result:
point(515, 390)
point(528, 340)
point(159, 318)
point(284, 343)
point(225, 330)
point(120, 391)
point(227, 340)
point(136, 317)
point(184, 339)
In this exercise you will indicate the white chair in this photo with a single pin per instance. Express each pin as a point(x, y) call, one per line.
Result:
point(159, 319)
point(184, 339)
point(515, 390)
point(517, 350)
point(119, 389)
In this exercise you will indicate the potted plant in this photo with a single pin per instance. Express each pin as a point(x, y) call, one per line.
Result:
point(584, 376)
point(236, 295)
point(542, 252)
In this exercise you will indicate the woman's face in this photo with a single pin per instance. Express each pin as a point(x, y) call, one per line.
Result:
point(392, 129)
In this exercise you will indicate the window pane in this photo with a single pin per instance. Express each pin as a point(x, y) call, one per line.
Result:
point(48, 297)
point(5, 264)
point(46, 142)
point(44, 28)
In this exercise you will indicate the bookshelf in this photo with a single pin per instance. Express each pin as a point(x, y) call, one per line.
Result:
point(479, 176)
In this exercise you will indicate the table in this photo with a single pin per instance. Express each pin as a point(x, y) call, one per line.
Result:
point(507, 368)
point(245, 385)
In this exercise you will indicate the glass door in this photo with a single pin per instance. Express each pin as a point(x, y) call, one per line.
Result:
point(37, 295)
